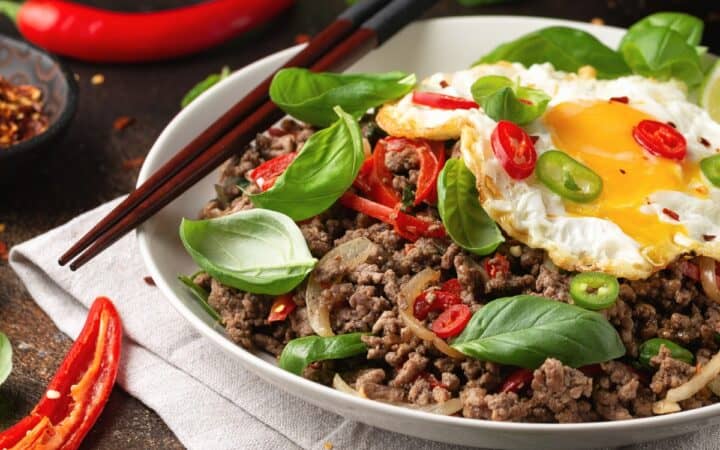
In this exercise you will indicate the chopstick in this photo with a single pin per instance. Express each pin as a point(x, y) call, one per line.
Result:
point(383, 25)
point(339, 29)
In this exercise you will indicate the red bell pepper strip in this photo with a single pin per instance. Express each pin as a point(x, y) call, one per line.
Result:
point(407, 226)
point(98, 35)
point(281, 308)
point(381, 189)
point(79, 390)
point(266, 173)
point(442, 101)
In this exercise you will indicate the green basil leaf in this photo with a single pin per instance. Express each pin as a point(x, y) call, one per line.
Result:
point(500, 98)
point(323, 170)
point(525, 330)
point(204, 85)
point(5, 358)
point(465, 220)
point(565, 48)
point(301, 352)
point(256, 250)
point(690, 28)
point(200, 294)
point(311, 97)
point(662, 53)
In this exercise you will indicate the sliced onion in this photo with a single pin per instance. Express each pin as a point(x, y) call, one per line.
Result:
point(448, 408)
point(350, 254)
point(702, 378)
point(714, 386)
point(708, 278)
point(408, 293)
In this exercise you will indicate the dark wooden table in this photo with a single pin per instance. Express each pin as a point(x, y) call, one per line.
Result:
point(89, 168)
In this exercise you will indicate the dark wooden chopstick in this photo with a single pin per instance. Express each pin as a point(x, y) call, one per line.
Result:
point(374, 32)
point(342, 27)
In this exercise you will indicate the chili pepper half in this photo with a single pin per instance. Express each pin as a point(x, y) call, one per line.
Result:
point(281, 308)
point(441, 101)
point(514, 149)
point(594, 290)
point(97, 35)
point(79, 390)
point(568, 178)
point(660, 139)
point(710, 167)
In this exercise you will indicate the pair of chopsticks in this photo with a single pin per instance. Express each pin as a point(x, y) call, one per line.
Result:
point(362, 27)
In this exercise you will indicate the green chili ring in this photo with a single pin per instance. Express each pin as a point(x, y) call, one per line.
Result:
point(594, 290)
point(710, 167)
point(568, 178)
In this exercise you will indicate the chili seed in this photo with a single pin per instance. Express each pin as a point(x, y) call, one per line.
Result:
point(597, 21)
point(97, 79)
point(122, 122)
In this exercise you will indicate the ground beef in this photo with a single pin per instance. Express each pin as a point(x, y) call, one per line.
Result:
point(399, 367)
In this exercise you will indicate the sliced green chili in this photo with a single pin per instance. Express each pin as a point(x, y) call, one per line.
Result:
point(594, 290)
point(651, 348)
point(567, 177)
point(710, 166)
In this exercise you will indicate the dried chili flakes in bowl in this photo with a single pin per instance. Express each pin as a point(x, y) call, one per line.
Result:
point(21, 113)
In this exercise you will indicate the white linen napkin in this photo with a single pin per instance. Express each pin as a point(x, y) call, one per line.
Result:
point(207, 399)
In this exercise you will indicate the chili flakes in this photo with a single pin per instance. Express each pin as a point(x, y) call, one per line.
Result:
point(21, 112)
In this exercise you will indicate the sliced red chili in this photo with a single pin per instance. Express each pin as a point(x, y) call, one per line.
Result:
point(452, 321)
point(79, 390)
point(514, 149)
point(407, 226)
point(381, 189)
point(622, 99)
point(442, 101)
point(434, 300)
point(363, 181)
point(660, 139)
point(452, 286)
point(497, 265)
point(517, 381)
point(281, 308)
point(266, 173)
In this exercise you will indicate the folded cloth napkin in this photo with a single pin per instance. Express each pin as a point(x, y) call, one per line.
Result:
point(207, 399)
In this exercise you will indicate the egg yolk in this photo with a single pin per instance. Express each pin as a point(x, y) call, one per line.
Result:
point(599, 135)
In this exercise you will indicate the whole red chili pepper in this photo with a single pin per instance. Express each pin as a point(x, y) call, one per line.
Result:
point(97, 35)
point(79, 390)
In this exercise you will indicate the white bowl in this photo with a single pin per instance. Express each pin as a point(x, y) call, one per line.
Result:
point(424, 48)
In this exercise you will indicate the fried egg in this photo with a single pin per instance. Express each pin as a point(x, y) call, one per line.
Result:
point(651, 209)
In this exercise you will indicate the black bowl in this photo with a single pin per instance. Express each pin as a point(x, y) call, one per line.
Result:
point(23, 63)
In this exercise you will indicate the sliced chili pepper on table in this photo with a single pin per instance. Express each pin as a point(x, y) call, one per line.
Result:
point(660, 139)
point(442, 101)
point(281, 308)
point(98, 35)
point(79, 390)
point(514, 149)
point(266, 173)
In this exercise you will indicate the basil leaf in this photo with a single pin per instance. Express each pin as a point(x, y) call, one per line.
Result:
point(301, 352)
point(204, 85)
point(256, 250)
point(5, 358)
point(465, 220)
point(662, 52)
point(311, 96)
point(500, 98)
point(690, 28)
point(323, 170)
point(565, 48)
point(525, 330)
point(200, 294)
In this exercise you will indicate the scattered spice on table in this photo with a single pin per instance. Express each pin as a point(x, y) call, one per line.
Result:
point(149, 281)
point(302, 38)
point(97, 79)
point(134, 163)
point(21, 112)
point(122, 122)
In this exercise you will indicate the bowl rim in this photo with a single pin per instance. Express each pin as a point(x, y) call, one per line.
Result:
point(67, 113)
point(318, 393)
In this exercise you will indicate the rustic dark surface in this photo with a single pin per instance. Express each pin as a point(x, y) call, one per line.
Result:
point(86, 169)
